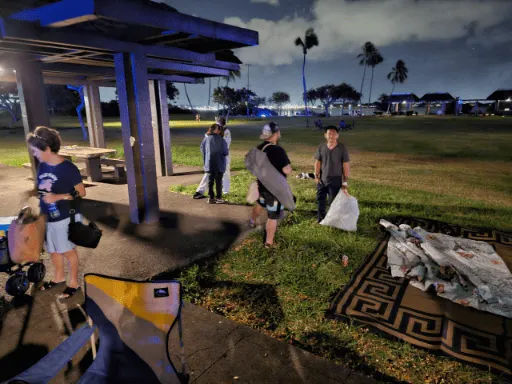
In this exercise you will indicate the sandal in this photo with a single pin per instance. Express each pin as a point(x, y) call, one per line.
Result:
point(270, 246)
point(69, 292)
point(50, 285)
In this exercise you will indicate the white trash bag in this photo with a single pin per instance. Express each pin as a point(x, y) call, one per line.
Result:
point(343, 213)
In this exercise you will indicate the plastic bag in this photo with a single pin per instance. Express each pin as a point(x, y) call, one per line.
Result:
point(253, 193)
point(26, 237)
point(343, 213)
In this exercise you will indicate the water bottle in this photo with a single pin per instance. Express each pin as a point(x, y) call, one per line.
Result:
point(53, 210)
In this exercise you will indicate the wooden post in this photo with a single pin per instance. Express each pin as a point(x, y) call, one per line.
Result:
point(94, 116)
point(135, 110)
point(34, 111)
point(161, 130)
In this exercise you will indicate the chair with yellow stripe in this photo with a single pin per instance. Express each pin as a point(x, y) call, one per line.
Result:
point(134, 320)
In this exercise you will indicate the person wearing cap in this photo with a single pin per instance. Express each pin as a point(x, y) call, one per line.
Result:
point(279, 159)
point(226, 179)
point(332, 169)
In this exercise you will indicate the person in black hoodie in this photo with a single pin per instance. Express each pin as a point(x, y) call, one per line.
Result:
point(214, 149)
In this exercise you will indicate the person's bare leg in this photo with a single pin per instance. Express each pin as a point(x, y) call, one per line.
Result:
point(271, 231)
point(257, 210)
point(72, 257)
point(58, 267)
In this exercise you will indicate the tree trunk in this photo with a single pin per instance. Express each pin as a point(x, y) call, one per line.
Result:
point(342, 107)
point(389, 102)
point(361, 92)
point(218, 86)
point(305, 96)
point(188, 98)
point(326, 106)
point(209, 90)
point(371, 85)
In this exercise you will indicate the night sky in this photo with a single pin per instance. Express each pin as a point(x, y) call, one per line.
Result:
point(461, 47)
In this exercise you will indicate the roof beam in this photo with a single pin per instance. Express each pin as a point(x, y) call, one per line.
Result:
point(63, 80)
point(79, 69)
point(12, 30)
point(180, 67)
point(67, 12)
point(175, 78)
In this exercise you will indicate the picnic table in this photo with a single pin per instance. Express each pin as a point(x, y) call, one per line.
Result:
point(91, 156)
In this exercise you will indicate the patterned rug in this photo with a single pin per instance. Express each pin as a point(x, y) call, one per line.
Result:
point(394, 308)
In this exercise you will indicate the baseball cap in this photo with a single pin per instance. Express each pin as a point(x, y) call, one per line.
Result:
point(268, 130)
point(332, 127)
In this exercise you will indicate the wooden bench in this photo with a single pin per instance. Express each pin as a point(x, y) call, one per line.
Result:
point(119, 166)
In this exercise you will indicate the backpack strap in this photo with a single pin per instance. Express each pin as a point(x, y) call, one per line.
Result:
point(265, 147)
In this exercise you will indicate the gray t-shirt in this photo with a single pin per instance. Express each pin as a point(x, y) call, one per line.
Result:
point(332, 161)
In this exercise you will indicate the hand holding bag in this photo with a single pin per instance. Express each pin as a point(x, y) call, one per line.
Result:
point(83, 235)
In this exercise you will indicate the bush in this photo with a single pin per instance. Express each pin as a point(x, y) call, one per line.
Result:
point(409, 113)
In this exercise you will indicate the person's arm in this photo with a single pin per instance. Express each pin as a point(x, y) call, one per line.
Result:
point(73, 174)
point(346, 175)
point(225, 148)
point(318, 166)
point(287, 169)
point(202, 146)
point(79, 192)
point(227, 137)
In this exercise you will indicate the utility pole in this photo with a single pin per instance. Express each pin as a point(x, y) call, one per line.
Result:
point(248, 87)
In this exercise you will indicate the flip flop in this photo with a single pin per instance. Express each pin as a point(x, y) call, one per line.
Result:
point(70, 293)
point(50, 285)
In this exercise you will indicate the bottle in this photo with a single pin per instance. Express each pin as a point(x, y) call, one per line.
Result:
point(53, 210)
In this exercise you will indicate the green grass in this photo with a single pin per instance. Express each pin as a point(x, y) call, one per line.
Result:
point(454, 170)
point(459, 176)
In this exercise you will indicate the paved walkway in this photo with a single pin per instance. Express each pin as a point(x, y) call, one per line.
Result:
point(218, 350)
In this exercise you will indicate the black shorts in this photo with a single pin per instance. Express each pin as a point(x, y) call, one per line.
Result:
point(271, 204)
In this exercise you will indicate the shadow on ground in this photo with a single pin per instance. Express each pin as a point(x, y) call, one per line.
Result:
point(33, 324)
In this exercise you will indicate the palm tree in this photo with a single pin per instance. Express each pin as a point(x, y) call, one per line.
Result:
point(369, 51)
point(310, 40)
point(398, 74)
point(374, 60)
point(209, 90)
point(188, 98)
point(233, 75)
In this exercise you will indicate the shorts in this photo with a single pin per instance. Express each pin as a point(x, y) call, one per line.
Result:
point(57, 236)
point(273, 206)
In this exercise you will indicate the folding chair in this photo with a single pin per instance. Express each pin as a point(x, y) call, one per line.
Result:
point(134, 320)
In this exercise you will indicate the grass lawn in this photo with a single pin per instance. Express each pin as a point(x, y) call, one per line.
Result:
point(451, 169)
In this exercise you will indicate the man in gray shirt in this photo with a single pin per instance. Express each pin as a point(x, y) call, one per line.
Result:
point(332, 169)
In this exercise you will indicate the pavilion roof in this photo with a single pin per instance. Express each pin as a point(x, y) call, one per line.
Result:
point(401, 97)
point(78, 39)
point(501, 94)
point(437, 97)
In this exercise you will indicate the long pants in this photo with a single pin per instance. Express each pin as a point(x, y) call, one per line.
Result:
point(322, 190)
point(225, 179)
point(215, 177)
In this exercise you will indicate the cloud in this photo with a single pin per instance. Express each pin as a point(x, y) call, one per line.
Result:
point(275, 3)
point(343, 26)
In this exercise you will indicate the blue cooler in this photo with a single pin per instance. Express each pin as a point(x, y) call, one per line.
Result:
point(5, 222)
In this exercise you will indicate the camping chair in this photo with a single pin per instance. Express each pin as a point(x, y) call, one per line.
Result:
point(134, 320)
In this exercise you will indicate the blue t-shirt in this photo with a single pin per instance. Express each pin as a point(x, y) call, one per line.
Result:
point(57, 179)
